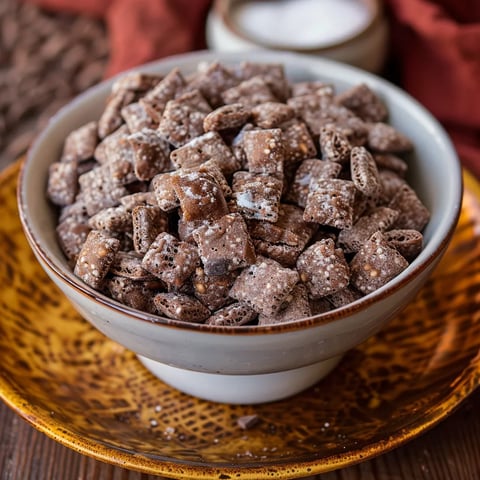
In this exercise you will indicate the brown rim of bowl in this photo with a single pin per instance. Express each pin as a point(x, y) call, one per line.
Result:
point(307, 322)
point(224, 9)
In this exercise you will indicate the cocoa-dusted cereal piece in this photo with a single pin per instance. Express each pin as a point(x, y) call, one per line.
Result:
point(334, 145)
point(378, 219)
point(323, 268)
point(94, 260)
point(225, 245)
point(81, 143)
point(364, 172)
point(409, 243)
point(170, 259)
point(211, 168)
point(137, 117)
point(245, 422)
point(233, 315)
point(151, 153)
point(286, 255)
point(272, 73)
point(181, 307)
point(331, 203)
point(237, 145)
point(257, 196)
point(72, 229)
point(289, 229)
point(111, 117)
point(363, 204)
point(211, 80)
point(388, 161)
point(309, 108)
point(309, 169)
point(413, 214)
point(200, 196)
point(264, 151)
point(343, 297)
point(112, 219)
point(62, 182)
point(98, 191)
point(387, 139)
point(363, 102)
point(129, 265)
point(213, 290)
point(109, 143)
point(323, 170)
point(226, 117)
point(271, 114)
point(375, 264)
point(312, 87)
point(317, 111)
point(167, 89)
point(120, 161)
point(185, 228)
point(354, 129)
point(138, 82)
point(71, 236)
point(295, 307)
point(138, 198)
point(391, 183)
point(148, 221)
point(249, 92)
point(297, 141)
point(134, 294)
point(264, 286)
point(182, 119)
point(208, 147)
point(164, 191)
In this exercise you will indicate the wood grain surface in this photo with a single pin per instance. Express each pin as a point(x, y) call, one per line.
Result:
point(450, 451)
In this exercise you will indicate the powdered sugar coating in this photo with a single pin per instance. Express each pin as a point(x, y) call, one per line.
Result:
point(375, 264)
point(331, 203)
point(264, 286)
point(95, 257)
point(323, 269)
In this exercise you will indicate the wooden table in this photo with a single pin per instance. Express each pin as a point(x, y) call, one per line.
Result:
point(450, 451)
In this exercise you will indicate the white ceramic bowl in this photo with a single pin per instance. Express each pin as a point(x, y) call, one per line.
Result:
point(253, 363)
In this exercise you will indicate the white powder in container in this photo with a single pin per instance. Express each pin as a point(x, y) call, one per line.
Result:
point(301, 23)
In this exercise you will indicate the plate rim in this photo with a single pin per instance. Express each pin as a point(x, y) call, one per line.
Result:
point(46, 423)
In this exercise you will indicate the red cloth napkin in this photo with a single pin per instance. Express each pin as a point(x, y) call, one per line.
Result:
point(142, 30)
point(435, 42)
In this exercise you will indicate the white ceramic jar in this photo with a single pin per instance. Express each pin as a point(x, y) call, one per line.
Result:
point(349, 31)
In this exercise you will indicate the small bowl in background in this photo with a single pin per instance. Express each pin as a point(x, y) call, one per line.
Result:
point(357, 31)
point(250, 364)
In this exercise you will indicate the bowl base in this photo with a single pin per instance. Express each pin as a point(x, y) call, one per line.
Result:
point(241, 389)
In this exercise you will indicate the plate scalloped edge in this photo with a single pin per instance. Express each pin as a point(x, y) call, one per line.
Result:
point(460, 384)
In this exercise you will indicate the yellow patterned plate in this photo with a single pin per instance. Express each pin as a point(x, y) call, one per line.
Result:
point(92, 395)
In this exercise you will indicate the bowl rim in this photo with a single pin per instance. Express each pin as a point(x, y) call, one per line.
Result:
point(431, 252)
point(224, 9)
